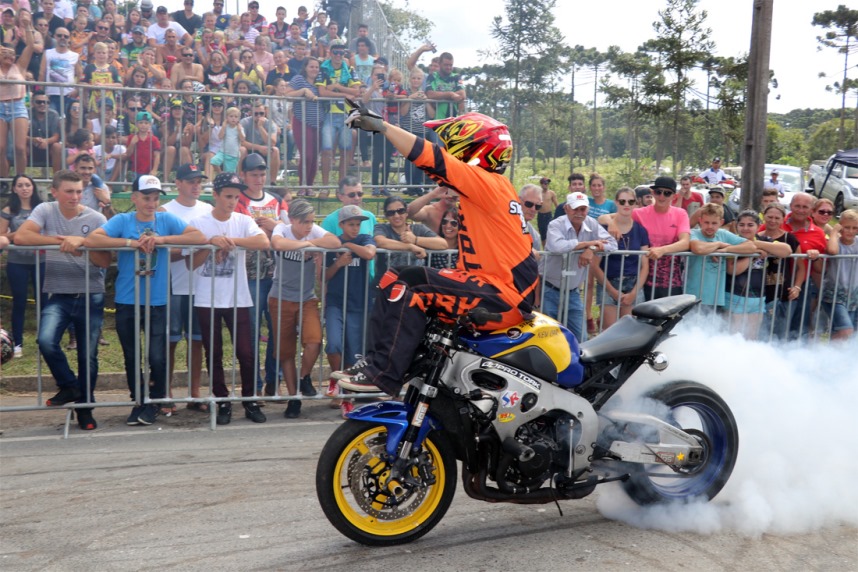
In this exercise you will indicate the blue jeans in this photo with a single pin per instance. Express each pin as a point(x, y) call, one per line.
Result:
point(20, 278)
point(59, 311)
point(156, 347)
point(799, 311)
point(270, 363)
point(575, 315)
point(344, 338)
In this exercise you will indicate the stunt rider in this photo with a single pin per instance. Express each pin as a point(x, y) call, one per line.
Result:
point(496, 268)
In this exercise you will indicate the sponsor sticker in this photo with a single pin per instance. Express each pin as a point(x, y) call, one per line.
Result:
point(522, 377)
point(513, 333)
point(506, 417)
point(510, 398)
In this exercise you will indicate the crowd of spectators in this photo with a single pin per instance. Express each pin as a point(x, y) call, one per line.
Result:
point(234, 100)
point(155, 89)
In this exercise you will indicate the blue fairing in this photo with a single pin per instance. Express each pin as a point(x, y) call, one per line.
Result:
point(395, 416)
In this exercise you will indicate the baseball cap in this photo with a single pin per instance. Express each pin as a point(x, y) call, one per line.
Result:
point(544, 180)
point(175, 103)
point(382, 60)
point(716, 160)
point(144, 116)
point(716, 189)
point(161, 10)
point(253, 161)
point(146, 5)
point(575, 200)
point(232, 180)
point(147, 184)
point(668, 183)
point(9, 10)
point(775, 172)
point(138, 30)
point(350, 212)
point(189, 171)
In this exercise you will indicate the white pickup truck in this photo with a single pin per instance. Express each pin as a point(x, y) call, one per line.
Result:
point(837, 180)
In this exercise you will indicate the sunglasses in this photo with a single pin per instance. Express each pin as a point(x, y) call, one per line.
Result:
point(259, 114)
point(40, 101)
point(399, 211)
point(337, 52)
point(133, 109)
point(624, 202)
point(354, 194)
point(451, 221)
point(102, 28)
point(664, 192)
point(826, 213)
point(187, 55)
point(61, 36)
point(532, 205)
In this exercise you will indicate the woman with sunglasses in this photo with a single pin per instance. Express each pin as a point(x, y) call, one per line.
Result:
point(409, 240)
point(450, 234)
point(823, 211)
point(218, 77)
point(620, 277)
point(249, 70)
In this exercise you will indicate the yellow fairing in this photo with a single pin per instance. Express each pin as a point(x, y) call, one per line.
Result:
point(545, 333)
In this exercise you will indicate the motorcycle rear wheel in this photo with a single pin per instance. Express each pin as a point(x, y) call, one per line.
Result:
point(701, 412)
point(350, 480)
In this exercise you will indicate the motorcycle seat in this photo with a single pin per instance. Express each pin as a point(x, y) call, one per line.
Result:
point(626, 338)
point(663, 308)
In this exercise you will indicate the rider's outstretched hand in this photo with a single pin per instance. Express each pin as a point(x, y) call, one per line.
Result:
point(361, 117)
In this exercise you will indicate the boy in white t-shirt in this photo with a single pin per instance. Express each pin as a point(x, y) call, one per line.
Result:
point(221, 293)
point(109, 157)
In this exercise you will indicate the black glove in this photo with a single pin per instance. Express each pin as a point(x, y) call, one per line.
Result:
point(361, 117)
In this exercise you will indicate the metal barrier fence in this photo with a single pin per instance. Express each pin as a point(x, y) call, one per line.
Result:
point(299, 154)
point(772, 312)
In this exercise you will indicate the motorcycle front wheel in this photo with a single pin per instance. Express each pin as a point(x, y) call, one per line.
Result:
point(351, 484)
point(701, 412)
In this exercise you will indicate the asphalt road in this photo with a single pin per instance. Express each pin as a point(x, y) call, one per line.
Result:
point(242, 498)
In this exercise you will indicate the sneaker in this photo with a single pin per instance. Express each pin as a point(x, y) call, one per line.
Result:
point(358, 383)
point(72, 345)
point(358, 367)
point(85, 420)
point(224, 413)
point(252, 412)
point(103, 342)
point(135, 413)
point(293, 409)
point(333, 389)
point(306, 385)
point(346, 407)
point(63, 396)
point(19, 351)
point(148, 414)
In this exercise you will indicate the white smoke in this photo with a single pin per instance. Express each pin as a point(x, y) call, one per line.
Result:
point(796, 408)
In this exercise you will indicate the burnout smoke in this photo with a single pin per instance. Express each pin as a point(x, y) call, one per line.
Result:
point(795, 407)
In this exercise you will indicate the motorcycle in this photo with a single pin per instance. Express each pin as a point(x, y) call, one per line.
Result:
point(530, 411)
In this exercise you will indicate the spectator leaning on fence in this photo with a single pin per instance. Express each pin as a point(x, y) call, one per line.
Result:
point(293, 303)
point(221, 295)
point(582, 237)
point(707, 275)
point(840, 288)
point(70, 276)
point(142, 282)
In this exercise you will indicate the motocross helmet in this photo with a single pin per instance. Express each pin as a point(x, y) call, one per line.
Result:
point(475, 139)
point(7, 346)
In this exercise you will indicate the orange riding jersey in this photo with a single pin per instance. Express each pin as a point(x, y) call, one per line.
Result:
point(494, 242)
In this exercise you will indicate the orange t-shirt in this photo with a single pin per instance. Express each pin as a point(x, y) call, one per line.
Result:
point(494, 242)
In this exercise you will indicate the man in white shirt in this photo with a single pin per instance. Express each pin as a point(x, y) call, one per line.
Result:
point(158, 30)
point(221, 295)
point(714, 175)
point(187, 207)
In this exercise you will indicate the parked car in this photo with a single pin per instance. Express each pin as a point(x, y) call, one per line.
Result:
point(791, 177)
point(837, 180)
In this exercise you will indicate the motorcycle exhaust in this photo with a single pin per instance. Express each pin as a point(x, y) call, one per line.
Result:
point(657, 361)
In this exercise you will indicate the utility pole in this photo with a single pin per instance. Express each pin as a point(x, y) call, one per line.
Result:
point(754, 151)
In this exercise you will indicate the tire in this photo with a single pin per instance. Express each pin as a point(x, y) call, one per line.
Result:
point(348, 473)
point(700, 411)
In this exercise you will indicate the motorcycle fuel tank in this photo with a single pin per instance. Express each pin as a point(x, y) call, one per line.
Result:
point(540, 346)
